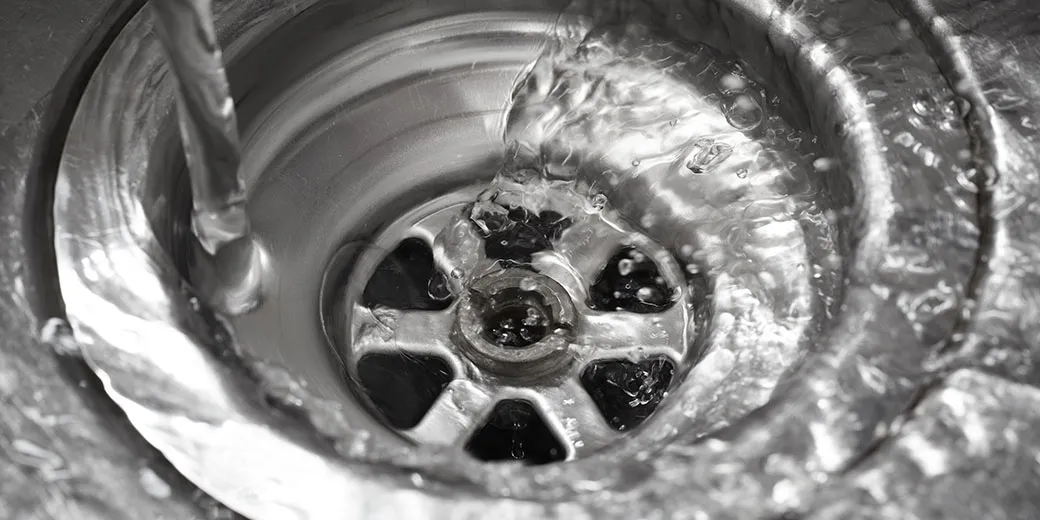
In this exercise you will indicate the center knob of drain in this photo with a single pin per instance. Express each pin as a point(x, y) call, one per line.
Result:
point(516, 323)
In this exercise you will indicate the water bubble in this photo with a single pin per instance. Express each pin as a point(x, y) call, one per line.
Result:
point(456, 273)
point(923, 106)
point(744, 113)
point(57, 333)
point(823, 164)
point(438, 288)
point(528, 284)
point(646, 294)
point(742, 173)
point(706, 155)
point(731, 83)
point(154, 485)
point(626, 266)
point(599, 201)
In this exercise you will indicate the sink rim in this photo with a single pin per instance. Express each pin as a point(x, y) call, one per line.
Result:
point(96, 353)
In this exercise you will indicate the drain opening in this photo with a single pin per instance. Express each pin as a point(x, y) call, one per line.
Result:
point(627, 392)
point(403, 387)
point(515, 318)
point(407, 279)
point(516, 431)
point(513, 234)
point(631, 281)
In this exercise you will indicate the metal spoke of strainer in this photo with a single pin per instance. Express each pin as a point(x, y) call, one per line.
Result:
point(415, 332)
point(618, 335)
point(456, 413)
point(571, 410)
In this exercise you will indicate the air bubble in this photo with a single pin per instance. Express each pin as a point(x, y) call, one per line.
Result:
point(730, 83)
point(823, 164)
point(626, 266)
point(744, 113)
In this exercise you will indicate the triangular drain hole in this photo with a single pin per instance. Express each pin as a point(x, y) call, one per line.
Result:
point(632, 282)
point(403, 387)
point(516, 431)
point(627, 392)
point(407, 279)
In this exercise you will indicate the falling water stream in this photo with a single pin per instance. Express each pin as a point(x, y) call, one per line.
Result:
point(229, 261)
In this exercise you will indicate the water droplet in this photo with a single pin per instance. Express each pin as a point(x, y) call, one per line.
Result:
point(744, 113)
point(153, 484)
point(645, 294)
point(731, 83)
point(528, 284)
point(57, 334)
point(625, 266)
point(706, 155)
point(923, 106)
point(823, 164)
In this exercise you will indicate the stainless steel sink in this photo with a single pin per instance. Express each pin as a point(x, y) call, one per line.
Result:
point(907, 390)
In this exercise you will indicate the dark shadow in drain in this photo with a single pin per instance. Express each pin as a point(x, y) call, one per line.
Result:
point(515, 431)
point(402, 387)
point(627, 392)
point(407, 279)
point(631, 282)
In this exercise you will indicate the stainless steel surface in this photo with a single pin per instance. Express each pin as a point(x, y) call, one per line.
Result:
point(36, 41)
point(546, 373)
point(924, 110)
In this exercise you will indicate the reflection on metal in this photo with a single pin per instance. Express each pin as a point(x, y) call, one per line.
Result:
point(873, 408)
point(545, 372)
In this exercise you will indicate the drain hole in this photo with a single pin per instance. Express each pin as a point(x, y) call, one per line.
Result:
point(403, 387)
point(630, 282)
point(406, 279)
point(514, 234)
point(627, 392)
point(515, 318)
point(515, 431)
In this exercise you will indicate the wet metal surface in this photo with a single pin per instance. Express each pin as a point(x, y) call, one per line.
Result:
point(926, 107)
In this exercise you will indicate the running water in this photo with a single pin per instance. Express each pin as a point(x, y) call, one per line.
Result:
point(674, 142)
point(229, 262)
point(692, 152)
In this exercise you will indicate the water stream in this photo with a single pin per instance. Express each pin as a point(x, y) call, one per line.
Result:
point(228, 261)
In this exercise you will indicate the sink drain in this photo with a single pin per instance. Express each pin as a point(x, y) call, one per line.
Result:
point(544, 306)
point(804, 381)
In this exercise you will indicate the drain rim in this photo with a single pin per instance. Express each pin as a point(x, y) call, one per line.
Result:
point(528, 362)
